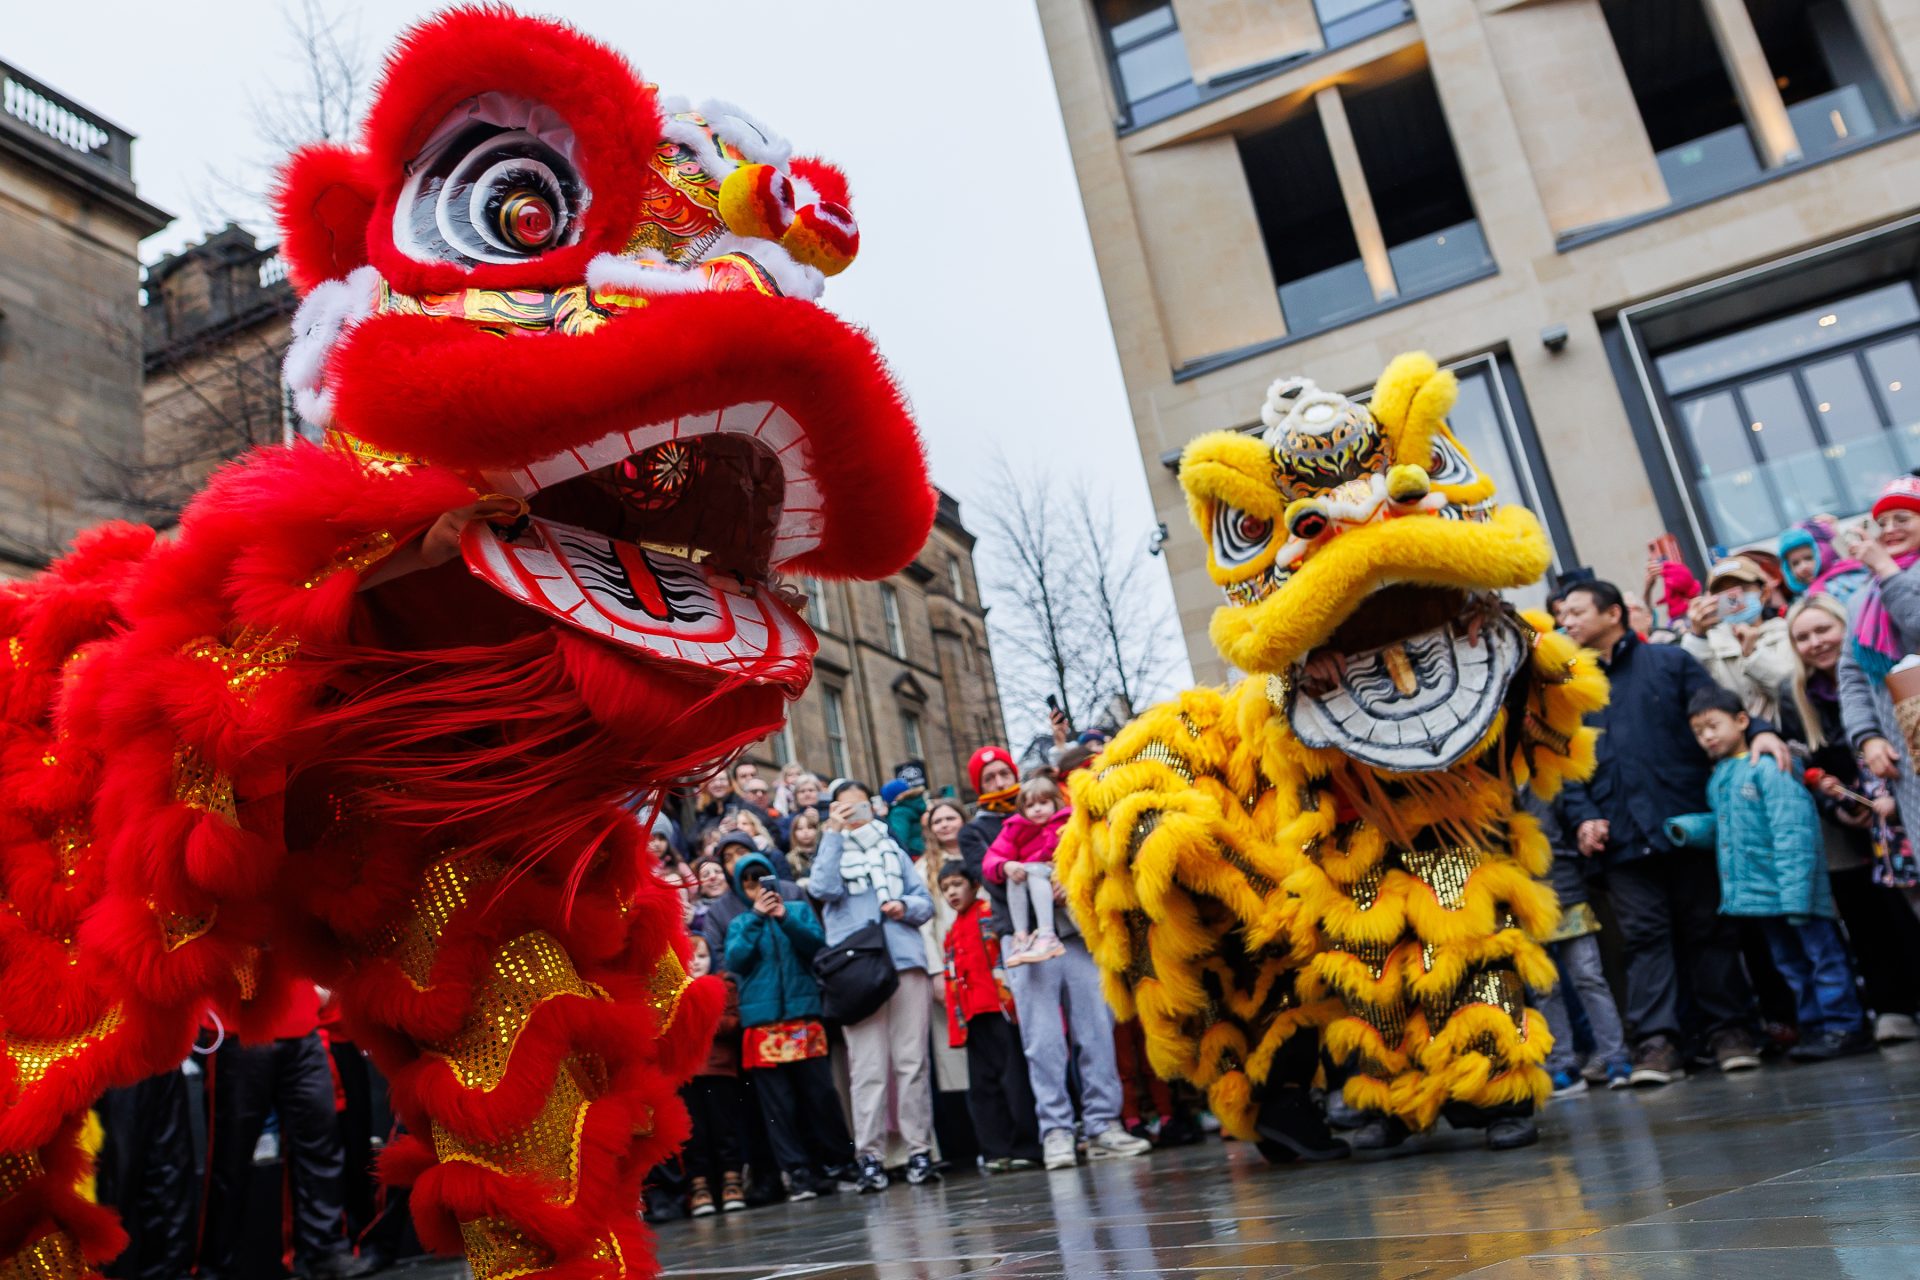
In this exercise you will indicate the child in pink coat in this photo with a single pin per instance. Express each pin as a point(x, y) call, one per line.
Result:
point(1021, 857)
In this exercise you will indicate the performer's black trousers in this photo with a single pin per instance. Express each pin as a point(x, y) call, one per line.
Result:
point(805, 1124)
point(999, 1095)
point(290, 1077)
point(146, 1172)
point(716, 1104)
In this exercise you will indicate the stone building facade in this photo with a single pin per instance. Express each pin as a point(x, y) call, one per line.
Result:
point(903, 671)
point(1670, 246)
point(70, 343)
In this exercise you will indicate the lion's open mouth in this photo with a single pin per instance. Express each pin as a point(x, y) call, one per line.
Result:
point(1423, 672)
point(667, 539)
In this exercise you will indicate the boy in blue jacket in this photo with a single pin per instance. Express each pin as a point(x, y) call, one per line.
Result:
point(783, 1047)
point(1773, 867)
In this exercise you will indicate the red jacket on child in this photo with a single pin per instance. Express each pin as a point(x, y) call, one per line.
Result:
point(973, 957)
point(1023, 840)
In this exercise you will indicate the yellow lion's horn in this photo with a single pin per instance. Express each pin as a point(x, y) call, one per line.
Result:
point(1411, 402)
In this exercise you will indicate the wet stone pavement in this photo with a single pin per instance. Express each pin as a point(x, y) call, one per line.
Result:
point(1805, 1172)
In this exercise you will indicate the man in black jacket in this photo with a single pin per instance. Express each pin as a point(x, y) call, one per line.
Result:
point(1651, 769)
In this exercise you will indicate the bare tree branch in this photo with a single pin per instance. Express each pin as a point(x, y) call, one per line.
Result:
point(1134, 651)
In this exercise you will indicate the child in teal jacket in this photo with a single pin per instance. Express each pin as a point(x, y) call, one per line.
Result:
point(1773, 868)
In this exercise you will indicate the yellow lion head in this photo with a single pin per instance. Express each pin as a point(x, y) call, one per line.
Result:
point(1361, 538)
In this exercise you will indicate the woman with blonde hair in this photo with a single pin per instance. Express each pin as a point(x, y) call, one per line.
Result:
point(1862, 841)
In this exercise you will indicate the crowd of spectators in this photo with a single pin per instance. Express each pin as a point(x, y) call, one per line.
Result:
point(908, 999)
point(1740, 858)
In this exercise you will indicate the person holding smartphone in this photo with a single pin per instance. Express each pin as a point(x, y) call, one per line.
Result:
point(1740, 637)
point(861, 875)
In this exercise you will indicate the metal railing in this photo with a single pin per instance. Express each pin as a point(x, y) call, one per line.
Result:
point(64, 121)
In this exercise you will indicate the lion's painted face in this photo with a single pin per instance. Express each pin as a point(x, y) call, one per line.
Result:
point(1363, 541)
point(537, 274)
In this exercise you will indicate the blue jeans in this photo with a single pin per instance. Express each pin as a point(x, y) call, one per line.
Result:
point(1578, 960)
point(1812, 957)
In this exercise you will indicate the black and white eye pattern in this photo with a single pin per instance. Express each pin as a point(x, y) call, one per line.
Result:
point(1238, 536)
point(494, 185)
point(1450, 466)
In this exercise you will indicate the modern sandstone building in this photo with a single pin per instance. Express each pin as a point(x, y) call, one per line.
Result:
point(1670, 246)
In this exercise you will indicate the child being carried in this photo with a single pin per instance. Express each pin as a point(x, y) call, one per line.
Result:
point(1021, 858)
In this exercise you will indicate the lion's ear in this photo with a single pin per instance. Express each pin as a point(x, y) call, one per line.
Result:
point(1411, 402)
point(323, 202)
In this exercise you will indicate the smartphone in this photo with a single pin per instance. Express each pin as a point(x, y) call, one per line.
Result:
point(860, 815)
point(1053, 703)
point(1665, 547)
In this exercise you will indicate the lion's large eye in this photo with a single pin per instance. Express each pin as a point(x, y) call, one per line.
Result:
point(496, 183)
point(1238, 536)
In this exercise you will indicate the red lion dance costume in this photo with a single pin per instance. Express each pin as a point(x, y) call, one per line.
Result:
point(372, 716)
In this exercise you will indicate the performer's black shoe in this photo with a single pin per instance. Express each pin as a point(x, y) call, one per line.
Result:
point(1380, 1133)
point(1510, 1133)
point(1291, 1127)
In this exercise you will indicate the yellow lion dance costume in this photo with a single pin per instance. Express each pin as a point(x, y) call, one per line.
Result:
point(1330, 851)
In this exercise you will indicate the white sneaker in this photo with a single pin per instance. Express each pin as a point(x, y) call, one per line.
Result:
point(1118, 1142)
point(1059, 1149)
point(1892, 1028)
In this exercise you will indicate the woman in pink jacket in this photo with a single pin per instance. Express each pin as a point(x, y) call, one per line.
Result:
point(1022, 855)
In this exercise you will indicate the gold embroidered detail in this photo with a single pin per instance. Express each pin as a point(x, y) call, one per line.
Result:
point(15, 650)
point(1279, 689)
point(609, 1250)
point(364, 553)
point(498, 1250)
point(53, 1256)
point(246, 974)
point(1366, 890)
point(1389, 1020)
point(1445, 871)
point(181, 927)
point(1160, 753)
point(665, 987)
point(17, 1169)
point(32, 1059)
point(1542, 734)
point(1500, 988)
point(528, 971)
point(1191, 725)
point(549, 1146)
point(69, 842)
point(255, 654)
point(198, 785)
point(414, 943)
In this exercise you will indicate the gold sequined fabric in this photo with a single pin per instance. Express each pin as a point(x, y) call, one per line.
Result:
point(254, 655)
point(367, 551)
point(414, 943)
point(1444, 870)
point(497, 1250)
point(548, 1148)
point(527, 972)
point(17, 1169)
point(32, 1059)
point(53, 1256)
point(199, 785)
point(179, 927)
point(667, 984)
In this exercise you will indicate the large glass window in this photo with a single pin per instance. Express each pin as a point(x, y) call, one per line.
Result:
point(1825, 74)
point(1150, 70)
point(1303, 219)
point(1419, 194)
point(1344, 21)
point(1693, 116)
point(911, 736)
point(1799, 415)
point(890, 611)
point(834, 703)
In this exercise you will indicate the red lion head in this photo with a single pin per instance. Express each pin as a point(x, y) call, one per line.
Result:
point(537, 276)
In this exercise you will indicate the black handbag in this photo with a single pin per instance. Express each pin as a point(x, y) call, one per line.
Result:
point(856, 975)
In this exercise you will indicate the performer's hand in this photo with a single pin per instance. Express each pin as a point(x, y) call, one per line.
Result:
point(1881, 759)
point(893, 909)
point(1016, 873)
point(1593, 835)
point(441, 542)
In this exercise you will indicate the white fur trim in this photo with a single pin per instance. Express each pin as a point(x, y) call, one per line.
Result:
point(803, 192)
point(646, 273)
point(329, 312)
point(750, 137)
point(796, 279)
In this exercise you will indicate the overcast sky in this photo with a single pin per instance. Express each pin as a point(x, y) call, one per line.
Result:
point(975, 273)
